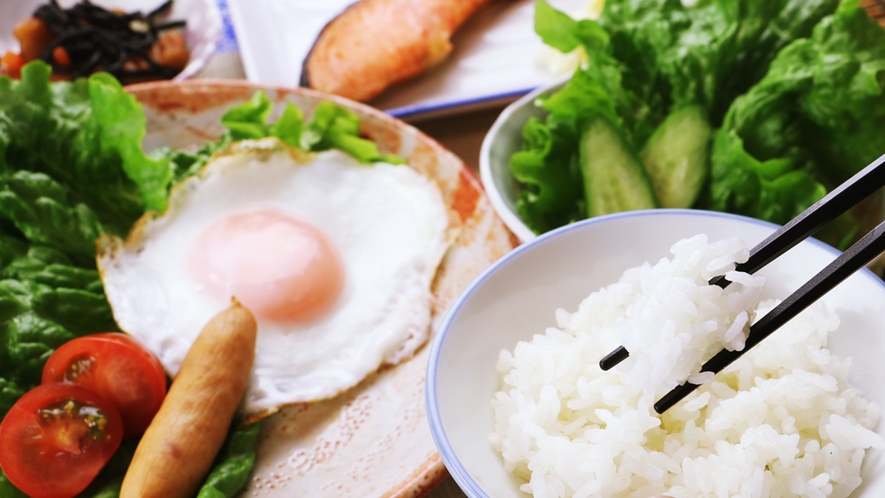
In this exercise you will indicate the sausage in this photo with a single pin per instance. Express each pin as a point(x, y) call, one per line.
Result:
point(177, 450)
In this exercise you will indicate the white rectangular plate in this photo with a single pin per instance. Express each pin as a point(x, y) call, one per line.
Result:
point(494, 61)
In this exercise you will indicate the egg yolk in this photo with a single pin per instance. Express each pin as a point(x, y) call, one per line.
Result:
point(280, 268)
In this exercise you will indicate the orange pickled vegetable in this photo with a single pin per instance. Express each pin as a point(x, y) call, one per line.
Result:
point(61, 57)
point(171, 50)
point(12, 61)
point(34, 37)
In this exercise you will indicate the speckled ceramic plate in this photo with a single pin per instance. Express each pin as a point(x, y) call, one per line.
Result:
point(372, 441)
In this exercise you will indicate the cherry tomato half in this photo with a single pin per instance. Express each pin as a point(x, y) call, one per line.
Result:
point(117, 367)
point(56, 438)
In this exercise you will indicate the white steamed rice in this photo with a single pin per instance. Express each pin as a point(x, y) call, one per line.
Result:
point(781, 421)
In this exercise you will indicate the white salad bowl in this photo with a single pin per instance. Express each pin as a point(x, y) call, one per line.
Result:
point(518, 296)
point(502, 141)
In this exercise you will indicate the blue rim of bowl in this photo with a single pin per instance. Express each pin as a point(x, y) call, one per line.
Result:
point(440, 438)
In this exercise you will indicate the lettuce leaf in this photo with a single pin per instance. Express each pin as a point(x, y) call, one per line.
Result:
point(706, 52)
point(86, 135)
point(547, 167)
point(812, 122)
point(187, 163)
point(232, 466)
point(793, 85)
point(71, 167)
point(58, 170)
point(39, 208)
point(44, 302)
point(552, 195)
point(122, 129)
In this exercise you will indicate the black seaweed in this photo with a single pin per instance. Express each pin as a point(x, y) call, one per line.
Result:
point(97, 39)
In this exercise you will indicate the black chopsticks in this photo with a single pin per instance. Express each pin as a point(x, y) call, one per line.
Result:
point(841, 268)
point(837, 202)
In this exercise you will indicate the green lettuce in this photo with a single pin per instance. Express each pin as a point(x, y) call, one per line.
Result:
point(45, 301)
point(86, 135)
point(331, 126)
point(63, 181)
point(71, 168)
point(39, 208)
point(668, 54)
point(793, 89)
point(811, 123)
point(547, 167)
point(232, 466)
point(706, 52)
point(122, 131)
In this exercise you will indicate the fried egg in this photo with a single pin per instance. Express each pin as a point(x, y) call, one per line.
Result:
point(335, 259)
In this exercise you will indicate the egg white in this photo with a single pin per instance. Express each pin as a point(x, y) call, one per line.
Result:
point(388, 223)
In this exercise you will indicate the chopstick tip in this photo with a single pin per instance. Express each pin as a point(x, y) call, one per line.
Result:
point(676, 395)
point(612, 359)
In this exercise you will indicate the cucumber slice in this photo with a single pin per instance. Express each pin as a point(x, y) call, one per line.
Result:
point(676, 157)
point(614, 178)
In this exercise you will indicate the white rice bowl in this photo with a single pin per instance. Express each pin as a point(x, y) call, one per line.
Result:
point(781, 421)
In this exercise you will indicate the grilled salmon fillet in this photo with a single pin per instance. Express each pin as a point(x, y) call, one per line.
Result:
point(375, 43)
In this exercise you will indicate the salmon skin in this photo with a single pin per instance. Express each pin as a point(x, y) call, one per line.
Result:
point(375, 43)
